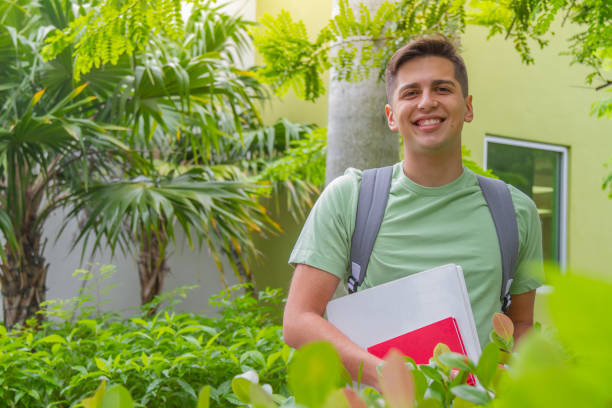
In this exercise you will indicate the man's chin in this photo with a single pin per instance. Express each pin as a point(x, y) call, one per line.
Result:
point(435, 147)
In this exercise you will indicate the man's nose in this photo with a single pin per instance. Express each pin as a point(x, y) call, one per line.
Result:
point(427, 101)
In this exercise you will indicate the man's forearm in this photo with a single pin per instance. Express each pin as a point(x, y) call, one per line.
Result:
point(520, 329)
point(309, 327)
point(521, 313)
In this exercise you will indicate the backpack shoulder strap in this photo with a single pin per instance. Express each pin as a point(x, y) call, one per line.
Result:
point(371, 204)
point(498, 198)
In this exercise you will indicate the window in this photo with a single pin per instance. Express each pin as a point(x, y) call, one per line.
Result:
point(540, 171)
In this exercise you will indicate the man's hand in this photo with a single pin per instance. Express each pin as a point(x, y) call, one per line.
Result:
point(311, 289)
point(521, 313)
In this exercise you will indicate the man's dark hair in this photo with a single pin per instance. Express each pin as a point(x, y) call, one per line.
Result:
point(426, 47)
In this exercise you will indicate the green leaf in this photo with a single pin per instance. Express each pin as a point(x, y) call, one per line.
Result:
point(259, 397)
point(431, 373)
point(117, 397)
point(314, 372)
point(254, 356)
point(96, 400)
point(187, 388)
point(487, 365)
point(440, 349)
point(101, 364)
point(204, 397)
point(336, 399)
point(34, 394)
point(241, 387)
point(471, 394)
point(53, 338)
point(420, 384)
point(431, 403)
point(461, 403)
point(90, 324)
point(456, 360)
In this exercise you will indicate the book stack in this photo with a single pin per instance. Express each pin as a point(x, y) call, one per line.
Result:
point(412, 314)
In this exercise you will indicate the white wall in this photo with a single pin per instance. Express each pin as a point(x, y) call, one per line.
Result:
point(187, 267)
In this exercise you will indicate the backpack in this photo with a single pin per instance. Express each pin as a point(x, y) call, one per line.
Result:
point(371, 204)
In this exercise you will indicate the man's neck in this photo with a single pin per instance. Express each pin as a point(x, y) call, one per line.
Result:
point(433, 170)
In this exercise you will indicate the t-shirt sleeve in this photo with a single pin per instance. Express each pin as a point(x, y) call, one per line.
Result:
point(529, 273)
point(324, 242)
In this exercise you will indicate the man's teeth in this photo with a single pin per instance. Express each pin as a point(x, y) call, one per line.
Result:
point(429, 122)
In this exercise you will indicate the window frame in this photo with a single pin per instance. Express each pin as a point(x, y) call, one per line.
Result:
point(563, 182)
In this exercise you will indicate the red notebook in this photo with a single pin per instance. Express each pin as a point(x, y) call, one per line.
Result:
point(420, 343)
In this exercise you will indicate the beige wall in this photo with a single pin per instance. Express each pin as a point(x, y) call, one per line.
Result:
point(547, 102)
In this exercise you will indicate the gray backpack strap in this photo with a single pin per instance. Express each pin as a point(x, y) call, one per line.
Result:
point(498, 198)
point(373, 196)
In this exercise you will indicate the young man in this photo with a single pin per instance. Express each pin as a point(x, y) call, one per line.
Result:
point(436, 213)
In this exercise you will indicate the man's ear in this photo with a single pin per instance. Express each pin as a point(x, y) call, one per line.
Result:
point(469, 110)
point(390, 118)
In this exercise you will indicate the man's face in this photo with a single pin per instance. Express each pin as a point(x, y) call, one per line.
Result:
point(428, 108)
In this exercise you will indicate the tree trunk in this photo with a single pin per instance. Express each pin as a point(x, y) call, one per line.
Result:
point(358, 135)
point(152, 265)
point(23, 276)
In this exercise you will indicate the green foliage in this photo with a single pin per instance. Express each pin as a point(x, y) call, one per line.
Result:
point(115, 397)
point(290, 59)
point(105, 31)
point(192, 198)
point(525, 21)
point(300, 172)
point(565, 366)
point(352, 43)
point(304, 160)
point(568, 367)
point(161, 359)
point(314, 373)
point(603, 108)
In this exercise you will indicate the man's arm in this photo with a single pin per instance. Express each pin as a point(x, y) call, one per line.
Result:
point(311, 289)
point(521, 313)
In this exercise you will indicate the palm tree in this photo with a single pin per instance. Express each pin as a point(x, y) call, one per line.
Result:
point(131, 148)
point(198, 133)
point(47, 144)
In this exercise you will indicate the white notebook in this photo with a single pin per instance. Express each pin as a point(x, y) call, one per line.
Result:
point(383, 312)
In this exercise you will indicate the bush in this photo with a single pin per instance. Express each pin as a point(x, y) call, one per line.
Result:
point(240, 359)
point(161, 359)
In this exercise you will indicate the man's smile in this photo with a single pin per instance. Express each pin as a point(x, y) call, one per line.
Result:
point(428, 123)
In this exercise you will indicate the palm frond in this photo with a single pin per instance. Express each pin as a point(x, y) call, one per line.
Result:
point(222, 213)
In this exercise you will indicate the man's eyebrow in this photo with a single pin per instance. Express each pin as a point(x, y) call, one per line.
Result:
point(437, 82)
point(414, 85)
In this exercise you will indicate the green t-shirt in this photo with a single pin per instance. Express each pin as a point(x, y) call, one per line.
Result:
point(425, 227)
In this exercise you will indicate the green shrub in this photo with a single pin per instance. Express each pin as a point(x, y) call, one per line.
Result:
point(240, 359)
point(163, 359)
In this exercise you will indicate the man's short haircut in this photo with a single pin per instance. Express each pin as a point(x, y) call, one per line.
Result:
point(426, 47)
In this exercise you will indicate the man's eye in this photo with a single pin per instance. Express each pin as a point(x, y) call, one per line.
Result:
point(408, 94)
point(443, 89)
